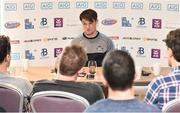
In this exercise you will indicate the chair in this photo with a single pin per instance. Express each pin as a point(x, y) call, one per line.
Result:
point(58, 101)
point(172, 106)
point(11, 98)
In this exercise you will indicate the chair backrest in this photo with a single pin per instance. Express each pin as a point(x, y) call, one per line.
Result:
point(58, 101)
point(11, 98)
point(172, 106)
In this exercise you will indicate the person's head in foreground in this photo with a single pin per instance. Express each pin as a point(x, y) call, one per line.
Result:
point(119, 74)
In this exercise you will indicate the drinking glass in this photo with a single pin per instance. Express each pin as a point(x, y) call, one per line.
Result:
point(92, 66)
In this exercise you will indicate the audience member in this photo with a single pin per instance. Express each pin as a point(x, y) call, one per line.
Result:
point(166, 88)
point(5, 58)
point(71, 61)
point(119, 74)
point(95, 43)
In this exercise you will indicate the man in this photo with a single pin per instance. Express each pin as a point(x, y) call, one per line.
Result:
point(95, 43)
point(72, 60)
point(5, 57)
point(166, 88)
point(119, 74)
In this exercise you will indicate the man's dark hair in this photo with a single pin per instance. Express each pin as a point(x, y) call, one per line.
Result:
point(119, 70)
point(5, 47)
point(173, 42)
point(89, 15)
point(72, 60)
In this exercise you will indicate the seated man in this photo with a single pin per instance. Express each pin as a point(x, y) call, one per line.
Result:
point(72, 60)
point(119, 74)
point(5, 57)
point(166, 88)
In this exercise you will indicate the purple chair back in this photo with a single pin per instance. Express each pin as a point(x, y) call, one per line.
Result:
point(11, 98)
point(58, 101)
point(172, 106)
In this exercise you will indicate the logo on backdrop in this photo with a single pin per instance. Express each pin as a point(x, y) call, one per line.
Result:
point(45, 39)
point(155, 6)
point(156, 23)
point(10, 6)
point(64, 5)
point(142, 22)
point(44, 23)
point(46, 5)
point(15, 41)
point(44, 53)
point(137, 5)
point(15, 56)
point(29, 55)
point(29, 6)
point(140, 52)
point(11, 24)
point(28, 24)
point(155, 53)
point(173, 7)
point(100, 5)
point(108, 21)
point(58, 22)
point(81, 4)
point(57, 51)
point(118, 5)
point(125, 22)
point(67, 38)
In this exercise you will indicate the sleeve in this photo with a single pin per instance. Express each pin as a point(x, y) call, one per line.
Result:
point(110, 45)
point(151, 96)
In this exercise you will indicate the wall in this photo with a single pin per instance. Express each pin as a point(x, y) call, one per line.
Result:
point(137, 26)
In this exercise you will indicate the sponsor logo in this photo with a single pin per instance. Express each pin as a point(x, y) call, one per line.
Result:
point(44, 23)
point(28, 24)
point(140, 52)
point(156, 23)
point(32, 40)
point(131, 38)
point(172, 25)
point(155, 6)
point(114, 37)
point(67, 38)
point(73, 24)
point(10, 6)
point(64, 5)
point(155, 53)
point(57, 51)
point(149, 39)
point(125, 22)
point(173, 7)
point(81, 4)
point(49, 39)
point(109, 21)
point(124, 48)
point(44, 53)
point(58, 22)
point(100, 5)
point(142, 22)
point(29, 55)
point(15, 56)
point(118, 5)
point(46, 5)
point(29, 6)
point(137, 5)
point(11, 24)
point(15, 41)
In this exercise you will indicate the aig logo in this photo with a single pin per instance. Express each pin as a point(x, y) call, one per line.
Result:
point(155, 6)
point(137, 5)
point(46, 5)
point(29, 6)
point(64, 5)
point(10, 6)
point(100, 5)
point(81, 4)
point(118, 5)
point(173, 7)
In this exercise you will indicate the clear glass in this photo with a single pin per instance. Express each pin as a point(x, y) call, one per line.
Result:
point(92, 66)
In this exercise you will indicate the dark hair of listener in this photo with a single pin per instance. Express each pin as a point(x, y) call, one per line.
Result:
point(88, 14)
point(119, 70)
point(5, 47)
point(173, 42)
point(72, 60)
